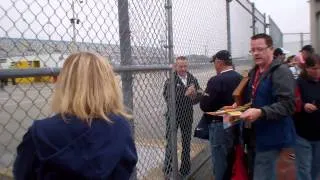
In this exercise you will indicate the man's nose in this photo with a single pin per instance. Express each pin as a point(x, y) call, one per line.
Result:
point(255, 53)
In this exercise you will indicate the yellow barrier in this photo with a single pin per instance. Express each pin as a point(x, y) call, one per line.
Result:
point(25, 64)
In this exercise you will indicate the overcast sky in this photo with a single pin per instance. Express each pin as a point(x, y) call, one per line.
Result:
point(290, 15)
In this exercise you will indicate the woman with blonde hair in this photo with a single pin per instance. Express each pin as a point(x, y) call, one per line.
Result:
point(89, 136)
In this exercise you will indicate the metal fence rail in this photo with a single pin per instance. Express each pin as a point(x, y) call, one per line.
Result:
point(140, 38)
point(293, 42)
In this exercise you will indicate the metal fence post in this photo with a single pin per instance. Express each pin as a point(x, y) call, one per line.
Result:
point(265, 23)
point(126, 59)
point(301, 40)
point(253, 19)
point(172, 98)
point(228, 24)
point(281, 39)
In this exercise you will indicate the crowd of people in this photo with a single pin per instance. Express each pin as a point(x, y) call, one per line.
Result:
point(89, 135)
point(284, 113)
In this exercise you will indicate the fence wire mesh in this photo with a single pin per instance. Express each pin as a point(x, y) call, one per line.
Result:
point(275, 33)
point(241, 27)
point(293, 42)
point(260, 21)
point(129, 33)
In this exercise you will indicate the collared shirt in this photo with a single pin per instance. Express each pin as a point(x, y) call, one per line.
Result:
point(226, 71)
point(184, 79)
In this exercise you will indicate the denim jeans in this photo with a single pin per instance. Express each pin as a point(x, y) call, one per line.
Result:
point(265, 165)
point(307, 159)
point(221, 143)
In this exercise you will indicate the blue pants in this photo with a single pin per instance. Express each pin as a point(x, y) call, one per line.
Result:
point(307, 159)
point(265, 165)
point(221, 143)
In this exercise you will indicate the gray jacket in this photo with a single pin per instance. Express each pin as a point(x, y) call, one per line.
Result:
point(283, 86)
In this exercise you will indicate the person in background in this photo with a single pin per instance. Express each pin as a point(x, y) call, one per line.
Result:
point(307, 120)
point(2, 81)
point(271, 91)
point(2, 84)
point(89, 136)
point(218, 94)
point(280, 53)
point(187, 91)
point(305, 52)
point(295, 70)
point(293, 66)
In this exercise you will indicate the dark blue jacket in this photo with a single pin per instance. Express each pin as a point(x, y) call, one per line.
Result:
point(57, 149)
point(275, 97)
point(219, 91)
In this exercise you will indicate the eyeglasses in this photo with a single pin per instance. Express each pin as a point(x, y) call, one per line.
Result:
point(258, 49)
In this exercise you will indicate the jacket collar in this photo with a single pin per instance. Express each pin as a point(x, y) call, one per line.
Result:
point(177, 78)
point(274, 64)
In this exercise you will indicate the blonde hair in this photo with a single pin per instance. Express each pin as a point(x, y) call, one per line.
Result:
point(87, 88)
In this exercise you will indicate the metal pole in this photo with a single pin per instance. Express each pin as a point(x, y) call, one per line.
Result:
point(253, 19)
point(189, 46)
point(265, 23)
point(73, 22)
point(228, 25)
point(126, 59)
point(281, 39)
point(301, 40)
point(172, 98)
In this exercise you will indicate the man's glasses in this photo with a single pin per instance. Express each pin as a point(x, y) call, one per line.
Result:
point(258, 49)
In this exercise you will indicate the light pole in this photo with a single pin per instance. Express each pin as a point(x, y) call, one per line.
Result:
point(74, 20)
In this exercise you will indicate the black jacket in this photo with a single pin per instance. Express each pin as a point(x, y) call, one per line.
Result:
point(308, 124)
point(184, 104)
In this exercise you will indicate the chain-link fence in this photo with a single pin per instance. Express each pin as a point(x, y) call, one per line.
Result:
point(245, 21)
point(293, 42)
point(260, 22)
point(141, 39)
point(275, 33)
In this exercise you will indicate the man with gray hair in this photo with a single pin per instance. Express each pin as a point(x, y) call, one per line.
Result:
point(187, 93)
